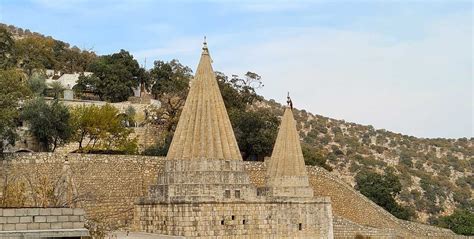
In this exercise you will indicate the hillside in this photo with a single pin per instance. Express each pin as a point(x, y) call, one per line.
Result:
point(436, 174)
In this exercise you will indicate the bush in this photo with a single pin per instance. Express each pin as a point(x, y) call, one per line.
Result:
point(460, 222)
point(315, 157)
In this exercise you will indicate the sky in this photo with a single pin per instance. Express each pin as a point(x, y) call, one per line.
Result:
point(404, 66)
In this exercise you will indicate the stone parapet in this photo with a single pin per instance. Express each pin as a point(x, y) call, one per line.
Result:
point(42, 222)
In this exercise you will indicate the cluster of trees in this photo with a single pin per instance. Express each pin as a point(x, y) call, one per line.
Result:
point(114, 77)
point(96, 129)
point(461, 222)
point(35, 52)
point(382, 189)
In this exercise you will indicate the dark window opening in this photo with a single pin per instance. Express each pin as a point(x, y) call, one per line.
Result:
point(237, 193)
point(222, 222)
point(164, 222)
point(233, 217)
point(227, 165)
point(243, 222)
point(227, 194)
point(300, 226)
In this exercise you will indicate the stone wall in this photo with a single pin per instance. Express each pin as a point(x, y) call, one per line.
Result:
point(110, 184)
point(228, 220)
point(36, 222)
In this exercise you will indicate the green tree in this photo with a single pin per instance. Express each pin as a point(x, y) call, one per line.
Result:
point(12, 89)
point(103, 128)
point(460, 222)
point(382, 189)
point(35, 53)
point(315, 157)
point(239, 93)
point(7, 46)
point(70, 60)
point(114, 77)
point(48, 122)
point(255, 131)
point(170, 84)
point(37, 84)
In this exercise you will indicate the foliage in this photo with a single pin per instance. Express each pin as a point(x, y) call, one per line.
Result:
point(103, 128)
point(382, 190)
point(37, 84)
point(170, 82)
point(460, 222)
point(35, 53)
point(238, 93)
point(7, 48)
point(255, 131)
point(170, 78)
point(114, 76)
point(48, 122)
point(12, 90)
point(56, 90)
point(314, 157)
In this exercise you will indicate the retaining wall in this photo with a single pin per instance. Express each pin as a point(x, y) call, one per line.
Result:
point(108, 186)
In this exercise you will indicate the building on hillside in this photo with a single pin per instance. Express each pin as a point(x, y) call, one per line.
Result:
point(204, 190)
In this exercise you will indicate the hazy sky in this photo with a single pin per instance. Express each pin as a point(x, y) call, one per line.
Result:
point(406, 66)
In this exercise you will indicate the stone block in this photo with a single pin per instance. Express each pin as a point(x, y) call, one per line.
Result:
point(63, 218)
point(26, 219)
point(56, 225)
point(21, 227)
point(78, 224)
point(13, 219)
point(20, 212)
point(9, 227)
point(51, 218)
point(45, 226)
point(33, 211)
point(3, 220)
point(39, 218)
point(44, 211)
point(56, 211)
point(67, 211)
point(75, 218)
point(8, 212)
point(33, 226)
point(67, 225)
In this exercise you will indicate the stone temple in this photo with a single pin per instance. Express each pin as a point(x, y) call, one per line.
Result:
point(204, 191)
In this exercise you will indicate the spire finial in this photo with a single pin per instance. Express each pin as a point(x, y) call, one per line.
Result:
point(204, 47)
point(288, 101)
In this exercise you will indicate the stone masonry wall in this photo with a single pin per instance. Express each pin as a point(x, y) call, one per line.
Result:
point(110, 184)
point(228, 220)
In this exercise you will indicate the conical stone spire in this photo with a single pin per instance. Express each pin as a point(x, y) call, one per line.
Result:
point(287, 157)
point(286, 172)
point(204, 130)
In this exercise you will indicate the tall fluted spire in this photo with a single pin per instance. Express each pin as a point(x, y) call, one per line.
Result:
point(287, 156)
point(204, 130)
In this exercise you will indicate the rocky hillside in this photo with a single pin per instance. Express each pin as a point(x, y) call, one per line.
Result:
point(436, 174)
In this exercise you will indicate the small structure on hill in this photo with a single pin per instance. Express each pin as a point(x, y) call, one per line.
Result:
point(204, 190)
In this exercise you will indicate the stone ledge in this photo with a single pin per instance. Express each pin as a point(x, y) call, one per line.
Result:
point(45, 233)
